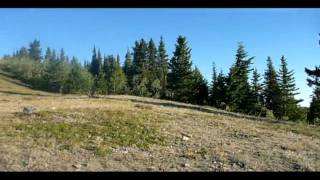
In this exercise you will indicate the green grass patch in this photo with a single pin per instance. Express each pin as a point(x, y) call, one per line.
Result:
point(297, 128)
point(94, 130)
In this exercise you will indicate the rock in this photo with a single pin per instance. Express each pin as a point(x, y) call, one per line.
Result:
point(151, 168)
point(53, 108)
point(185, 138)
point(28, 110)
point(186, 165)
point(77, 166)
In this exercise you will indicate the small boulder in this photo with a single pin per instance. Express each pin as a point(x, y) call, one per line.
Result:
point(76, 166)
point(185, 138)
point(186, 165)
point(28, 110)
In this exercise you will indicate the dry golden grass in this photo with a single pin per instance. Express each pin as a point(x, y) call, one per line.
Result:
point(125, 133)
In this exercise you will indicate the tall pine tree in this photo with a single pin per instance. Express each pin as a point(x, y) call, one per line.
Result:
point(272, 91)
point(180, 73)
point(314, 109)
point(152, 66)
point(238, 82)
point(257, 94)
point(212, 91)
point(199, 88)
point(288, 90)
point(127, 68)
point(35, 50)
point(163, 66)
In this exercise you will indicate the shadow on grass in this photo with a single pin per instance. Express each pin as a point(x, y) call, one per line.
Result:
point(199, 108)
point(14, 80)
point(20, 93)
point(8, 77)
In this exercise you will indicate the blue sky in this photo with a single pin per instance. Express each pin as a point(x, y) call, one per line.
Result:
point(213, 34)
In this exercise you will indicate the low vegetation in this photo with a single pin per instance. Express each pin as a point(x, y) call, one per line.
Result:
point(148, 71)
point(129, 133)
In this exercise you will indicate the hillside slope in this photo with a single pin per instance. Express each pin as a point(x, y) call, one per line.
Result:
point(125, 133)
point(9, 85)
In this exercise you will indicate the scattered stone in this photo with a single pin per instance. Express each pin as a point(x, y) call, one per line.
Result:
point(185, 138)
point(186, 165)
point(77, 166)
point(151, 168)
point(125, 151)
point(28, 110)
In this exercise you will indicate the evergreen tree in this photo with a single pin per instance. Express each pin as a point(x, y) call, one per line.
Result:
point(79, 79)
point(94, 67)
point(63, 56)
point(163, 65)
point(239, 92)
point(180, 74)
point(257, 94)
point(219, 91)
point(55, 75)
point(140, 69)
point(272, 91)
point(35, 50)
point(140, 52)
point(107, 66)
point(127, 68)
point(199, 88)
point(314, 110)
point(288, 90)
point(212, 91)
point(48, 55)
point(257, 88)
point(23, 52)
point(117, 81)
point(152, 64)
point(53, 56)
point(99, 84)
point(140, 86)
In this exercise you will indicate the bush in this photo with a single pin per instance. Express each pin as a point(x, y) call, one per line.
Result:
point(267, 113)
point(55, 75)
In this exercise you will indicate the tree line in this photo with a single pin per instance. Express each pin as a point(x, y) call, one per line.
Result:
point(148, 71)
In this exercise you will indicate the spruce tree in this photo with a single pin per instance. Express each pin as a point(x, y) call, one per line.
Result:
point(63, 56)
point(48, 54)
point(98, 74)
point(23, 52)
point(101, 83)
point(288, 90)
point(152, 64)
point(140, 57)
point(94, 67)
point(140, 70)
point(117, 82)
point(163, 65)
point(199, 88)
point(79, 79)
point(219, 91)
point(257, 87)
point(180, 73)
point(314, 81)
point(272, 91)
point(35, 50)
point(212, 91)
point(127, 68)
point(257, 96)
point(239, 92)
point(53, 55)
